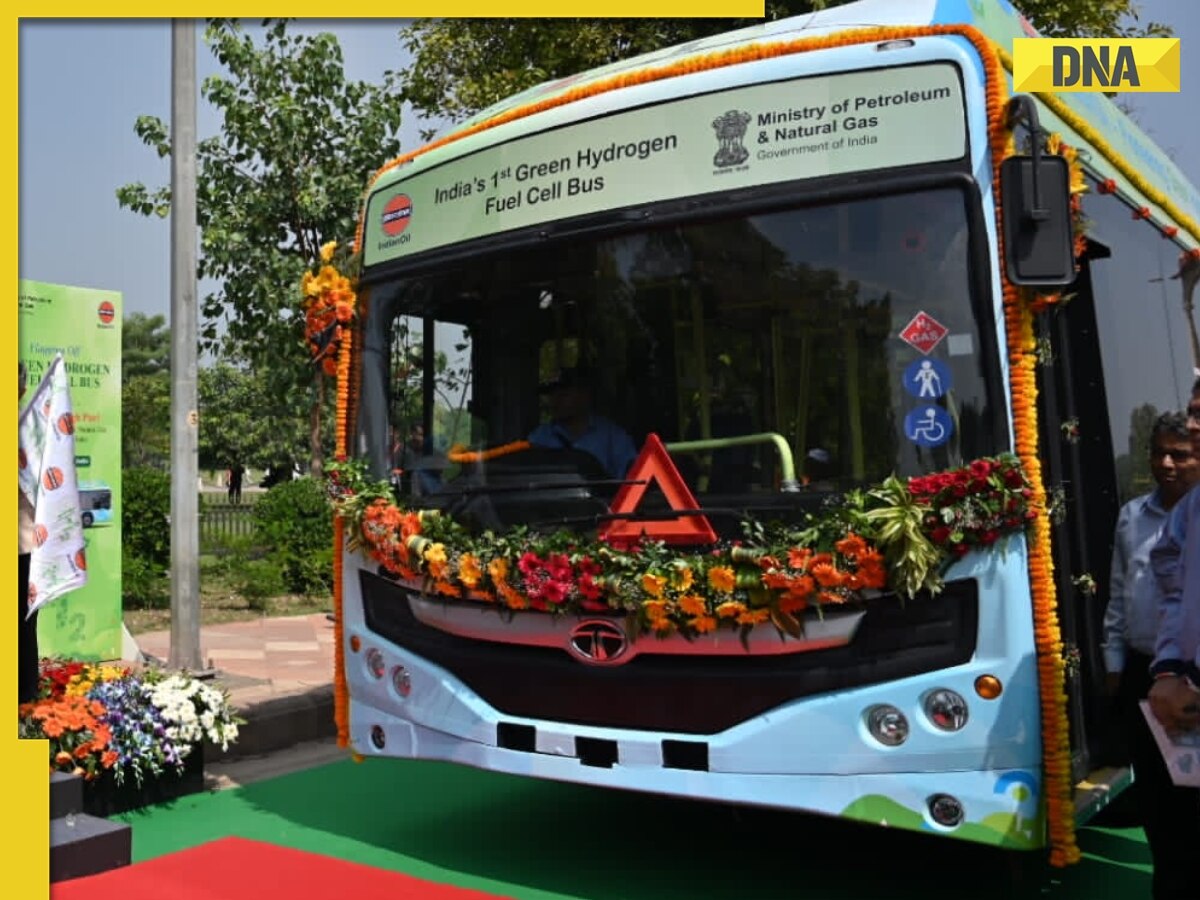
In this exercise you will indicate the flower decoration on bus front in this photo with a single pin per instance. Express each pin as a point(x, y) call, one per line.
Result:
point(329, 306)
point(901, 536)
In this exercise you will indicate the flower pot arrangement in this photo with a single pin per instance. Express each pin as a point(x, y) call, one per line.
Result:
point(136, 737)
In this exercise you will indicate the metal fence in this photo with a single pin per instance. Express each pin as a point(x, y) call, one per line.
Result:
point(220, 521)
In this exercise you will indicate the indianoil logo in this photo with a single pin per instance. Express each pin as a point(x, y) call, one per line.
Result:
point(107, 312)
point(396, 215)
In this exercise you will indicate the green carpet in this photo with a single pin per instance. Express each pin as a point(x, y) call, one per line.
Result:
point(536, 840)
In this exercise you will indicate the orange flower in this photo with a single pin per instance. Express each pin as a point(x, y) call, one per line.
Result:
point(693, 605)
point(826, 575)
point(754, 616)
point(730, 609)
point(792, 602)
point(498, 570)
point(469, 572)
point(703, 624)
point(798, 557)
point(721, 578)
point(653, 584)
point(851, 545)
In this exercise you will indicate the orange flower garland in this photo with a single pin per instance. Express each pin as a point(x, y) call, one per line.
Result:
point(1018, 316)
point(328, 308)
point(1022, 353)
point(341, 694)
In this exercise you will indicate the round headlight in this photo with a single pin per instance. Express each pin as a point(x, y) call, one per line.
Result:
point(375, 662)
point(401, 681)
point(947, 811)
point(378, 738)
point(887, 725)
point(946, 709)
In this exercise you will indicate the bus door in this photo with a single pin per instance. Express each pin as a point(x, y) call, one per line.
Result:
point(1081, 483)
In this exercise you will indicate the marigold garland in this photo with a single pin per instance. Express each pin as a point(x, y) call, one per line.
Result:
point(1022, 352)
point(1018, 318)
point(329, 307)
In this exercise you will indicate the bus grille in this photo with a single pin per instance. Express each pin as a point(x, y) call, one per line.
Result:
point(687, 694)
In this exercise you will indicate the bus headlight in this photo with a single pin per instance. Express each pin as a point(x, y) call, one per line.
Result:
point(401, 681)
point(887, 725)
point(947, 811)
point(946, 709)
point(375, 662)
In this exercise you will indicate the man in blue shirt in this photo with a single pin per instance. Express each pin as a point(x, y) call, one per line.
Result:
point(1173, 813)
point(1131, 620)
point(573, 425)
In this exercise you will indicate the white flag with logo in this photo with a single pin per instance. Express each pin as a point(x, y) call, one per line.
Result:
point(46, 475)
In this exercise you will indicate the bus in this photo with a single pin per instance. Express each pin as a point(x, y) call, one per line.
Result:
point(722, 423)
point(95, 504)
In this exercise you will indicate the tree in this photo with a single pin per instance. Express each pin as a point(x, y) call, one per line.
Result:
point(285, 173)
point(1089, 18)
point(461, 66)
point(145, 345)
point(145, 390)
point(243, 419)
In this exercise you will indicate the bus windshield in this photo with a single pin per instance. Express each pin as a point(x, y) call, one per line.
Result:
point(843, 335)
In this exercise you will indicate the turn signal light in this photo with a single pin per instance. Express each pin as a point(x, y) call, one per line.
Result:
point(988, 687)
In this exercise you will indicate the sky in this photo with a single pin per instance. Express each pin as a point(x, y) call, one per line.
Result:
point(83, 83)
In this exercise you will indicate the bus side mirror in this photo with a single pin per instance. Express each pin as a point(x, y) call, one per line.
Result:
point(1035, 204)
point(1035, 197)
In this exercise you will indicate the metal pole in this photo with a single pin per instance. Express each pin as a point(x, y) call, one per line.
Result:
point(185, 540)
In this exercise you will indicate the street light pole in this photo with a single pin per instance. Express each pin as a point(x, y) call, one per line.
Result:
point(185, 540)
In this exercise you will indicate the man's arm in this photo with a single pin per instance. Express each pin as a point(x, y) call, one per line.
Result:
point(1175, 696)
point(1168, 563)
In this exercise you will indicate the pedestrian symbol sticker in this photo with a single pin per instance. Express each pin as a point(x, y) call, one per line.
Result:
point(924, 332)
point(928, 426)
point(927, 379)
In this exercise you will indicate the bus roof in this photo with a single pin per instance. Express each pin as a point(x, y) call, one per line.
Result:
point(997, 19)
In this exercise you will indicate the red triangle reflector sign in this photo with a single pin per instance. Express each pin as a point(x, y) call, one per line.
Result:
point(654, 465)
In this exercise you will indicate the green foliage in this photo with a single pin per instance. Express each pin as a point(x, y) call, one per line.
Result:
point(146, 551)
point(461, 66)
point(146, 420)
point(145, 390)
point(284, 173)
point(145, 506)
point(294, 519)
point(144, 585)
point(145, 346)
point(242, 419)
point(1089, 18)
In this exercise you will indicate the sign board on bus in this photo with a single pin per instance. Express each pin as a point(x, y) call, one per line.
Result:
point(728, 140)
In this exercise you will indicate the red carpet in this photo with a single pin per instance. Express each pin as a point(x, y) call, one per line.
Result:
point(239, 869)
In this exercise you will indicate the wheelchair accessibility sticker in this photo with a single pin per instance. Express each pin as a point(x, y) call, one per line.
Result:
point(929, 426)
point(927, 378)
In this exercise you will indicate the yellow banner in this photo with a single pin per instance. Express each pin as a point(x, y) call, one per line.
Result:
point(1145, 65)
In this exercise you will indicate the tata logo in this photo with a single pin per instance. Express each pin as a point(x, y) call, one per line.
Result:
point(598, 642)
point(1084, 64)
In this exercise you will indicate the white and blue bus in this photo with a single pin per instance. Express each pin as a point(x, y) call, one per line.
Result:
point(778, 259)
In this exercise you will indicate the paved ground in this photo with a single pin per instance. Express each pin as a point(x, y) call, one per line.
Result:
point(262, 658)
